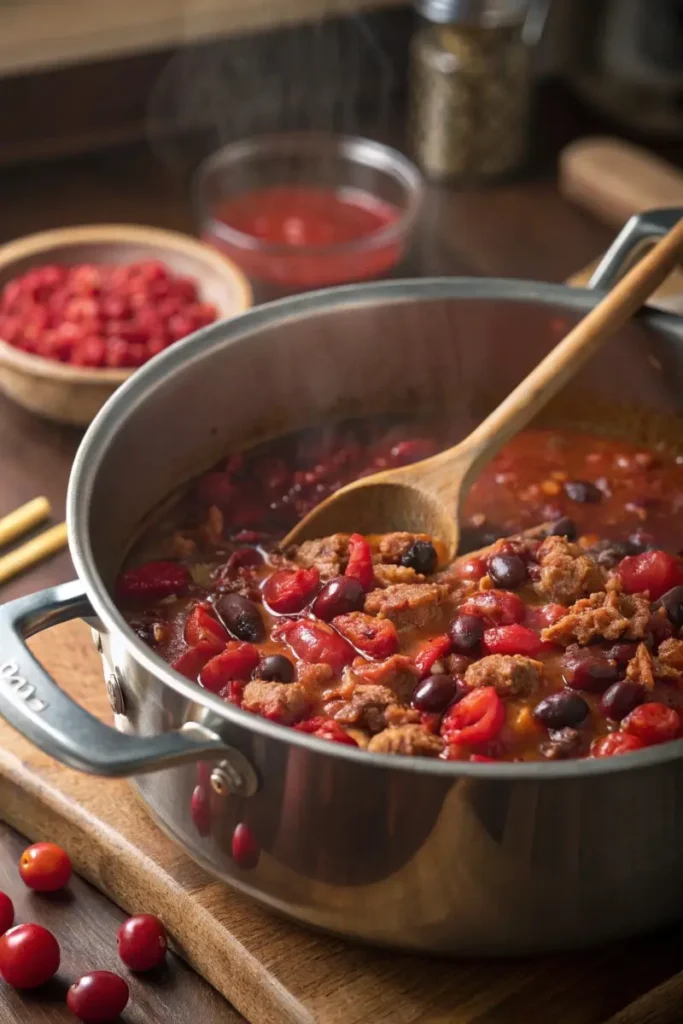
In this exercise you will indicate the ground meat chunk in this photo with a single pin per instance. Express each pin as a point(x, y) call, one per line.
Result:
point(327, 554)
point(393, 546)
point(670, 654)
point(409, 605)
point(413, 740)
point(280, 702)
point(567, 574)
point(366, 708)
point(182, 546)
point(608, 615)
point(388, 575)
point(397, 673)
point(640, 668)
point(398, 714)
point(562, 743)
point(511, 675)
point(313, 678)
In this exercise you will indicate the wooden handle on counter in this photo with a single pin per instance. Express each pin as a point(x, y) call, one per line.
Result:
point(42, 546)
point(615, 180)
point(23, 519)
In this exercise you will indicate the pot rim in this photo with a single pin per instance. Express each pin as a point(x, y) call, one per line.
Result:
point(223, 333)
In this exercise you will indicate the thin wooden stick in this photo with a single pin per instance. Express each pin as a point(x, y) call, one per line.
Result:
point(23, 519)
point(42, 546)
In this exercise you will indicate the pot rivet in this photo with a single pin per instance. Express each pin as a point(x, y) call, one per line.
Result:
point(234, 776)
point(115, 693)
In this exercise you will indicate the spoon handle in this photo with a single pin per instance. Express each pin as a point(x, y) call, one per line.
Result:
point(563, 362)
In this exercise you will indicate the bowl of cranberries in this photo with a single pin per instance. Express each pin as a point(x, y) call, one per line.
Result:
point(82, 308)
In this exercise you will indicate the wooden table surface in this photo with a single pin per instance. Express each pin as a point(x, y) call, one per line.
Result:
point(521, 229)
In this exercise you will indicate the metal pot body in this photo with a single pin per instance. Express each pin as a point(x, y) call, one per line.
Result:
point(448, 858)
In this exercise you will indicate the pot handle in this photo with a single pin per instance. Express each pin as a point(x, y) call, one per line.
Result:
point(632, 242)
point(31, 701)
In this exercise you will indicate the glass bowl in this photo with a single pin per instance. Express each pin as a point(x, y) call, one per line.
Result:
point(346, 169)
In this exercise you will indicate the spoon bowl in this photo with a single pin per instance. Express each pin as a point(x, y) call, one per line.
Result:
point(427, 496)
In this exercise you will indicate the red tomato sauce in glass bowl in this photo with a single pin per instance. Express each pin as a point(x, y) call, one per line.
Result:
point(298, 223)
point(305, 211)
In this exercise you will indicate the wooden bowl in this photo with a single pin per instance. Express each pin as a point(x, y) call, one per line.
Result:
point(71, 394)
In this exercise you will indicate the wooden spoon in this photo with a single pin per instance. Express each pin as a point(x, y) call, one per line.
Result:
point(427, 496)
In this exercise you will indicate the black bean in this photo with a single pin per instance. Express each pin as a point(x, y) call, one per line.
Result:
point(582, 491)
point(561, 709)
point(466, 631)
point(339, 597)
point(435, 693)
point(276, 669)
point(588, 668)
point(421, 556)
point(563, 527)
point(672, 603)
point(507, 571)
point(621, 698)
point(241, 617)
point(608, 554)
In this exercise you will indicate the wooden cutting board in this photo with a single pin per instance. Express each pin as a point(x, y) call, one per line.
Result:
point(272, 971)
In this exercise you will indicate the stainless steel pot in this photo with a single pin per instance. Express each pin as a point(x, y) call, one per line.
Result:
point(443, 857)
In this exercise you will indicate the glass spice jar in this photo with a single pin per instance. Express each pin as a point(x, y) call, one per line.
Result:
point(470, 88)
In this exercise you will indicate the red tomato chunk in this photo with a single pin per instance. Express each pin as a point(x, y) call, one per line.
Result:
point(237, 661)
point(512, 639)
point(496, 607)
point(290, 590)
point(359, 566)
point(153, 582)
point(202, 627)
point(375, 637)
point(315, 643)
point(654, 571)
point(476, 719)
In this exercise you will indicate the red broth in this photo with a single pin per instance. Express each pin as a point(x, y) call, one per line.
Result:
point(283, 224)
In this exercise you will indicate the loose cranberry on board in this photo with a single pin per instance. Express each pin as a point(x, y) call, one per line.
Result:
point(98, 997)
point(45, 867)
point(142, 942)
point(29, 956)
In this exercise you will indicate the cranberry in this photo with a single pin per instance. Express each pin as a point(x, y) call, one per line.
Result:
point(202, 627)
point(588, 669)
point(142, 942)
point(276, 668)
point(421, 556)
point(241, 617)
point(621, 698)
point(290, 590)
point(582, 491)
point(315, 643)
point(477, 718)
point(653, 723)
point(472, 568)
point(339, 597)
point(98, 998)
point(561, 709)
point(512, 639)
point(496, 607)
point(430, 652)
point(191, 662)
point(563, 527)
point(466, 632)
point(435, 693)
point(45, 867)
point(615, 743)
point(245, 849)
point(200, 810)
point(508, 571)
point(237, 661)
point(6, 913)
point(654, 571)
point(376, 638)
point(29, 956)
point(359, 565)
point(153, 582)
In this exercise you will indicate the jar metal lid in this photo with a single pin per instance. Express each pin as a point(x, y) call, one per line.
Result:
point(487, 13)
